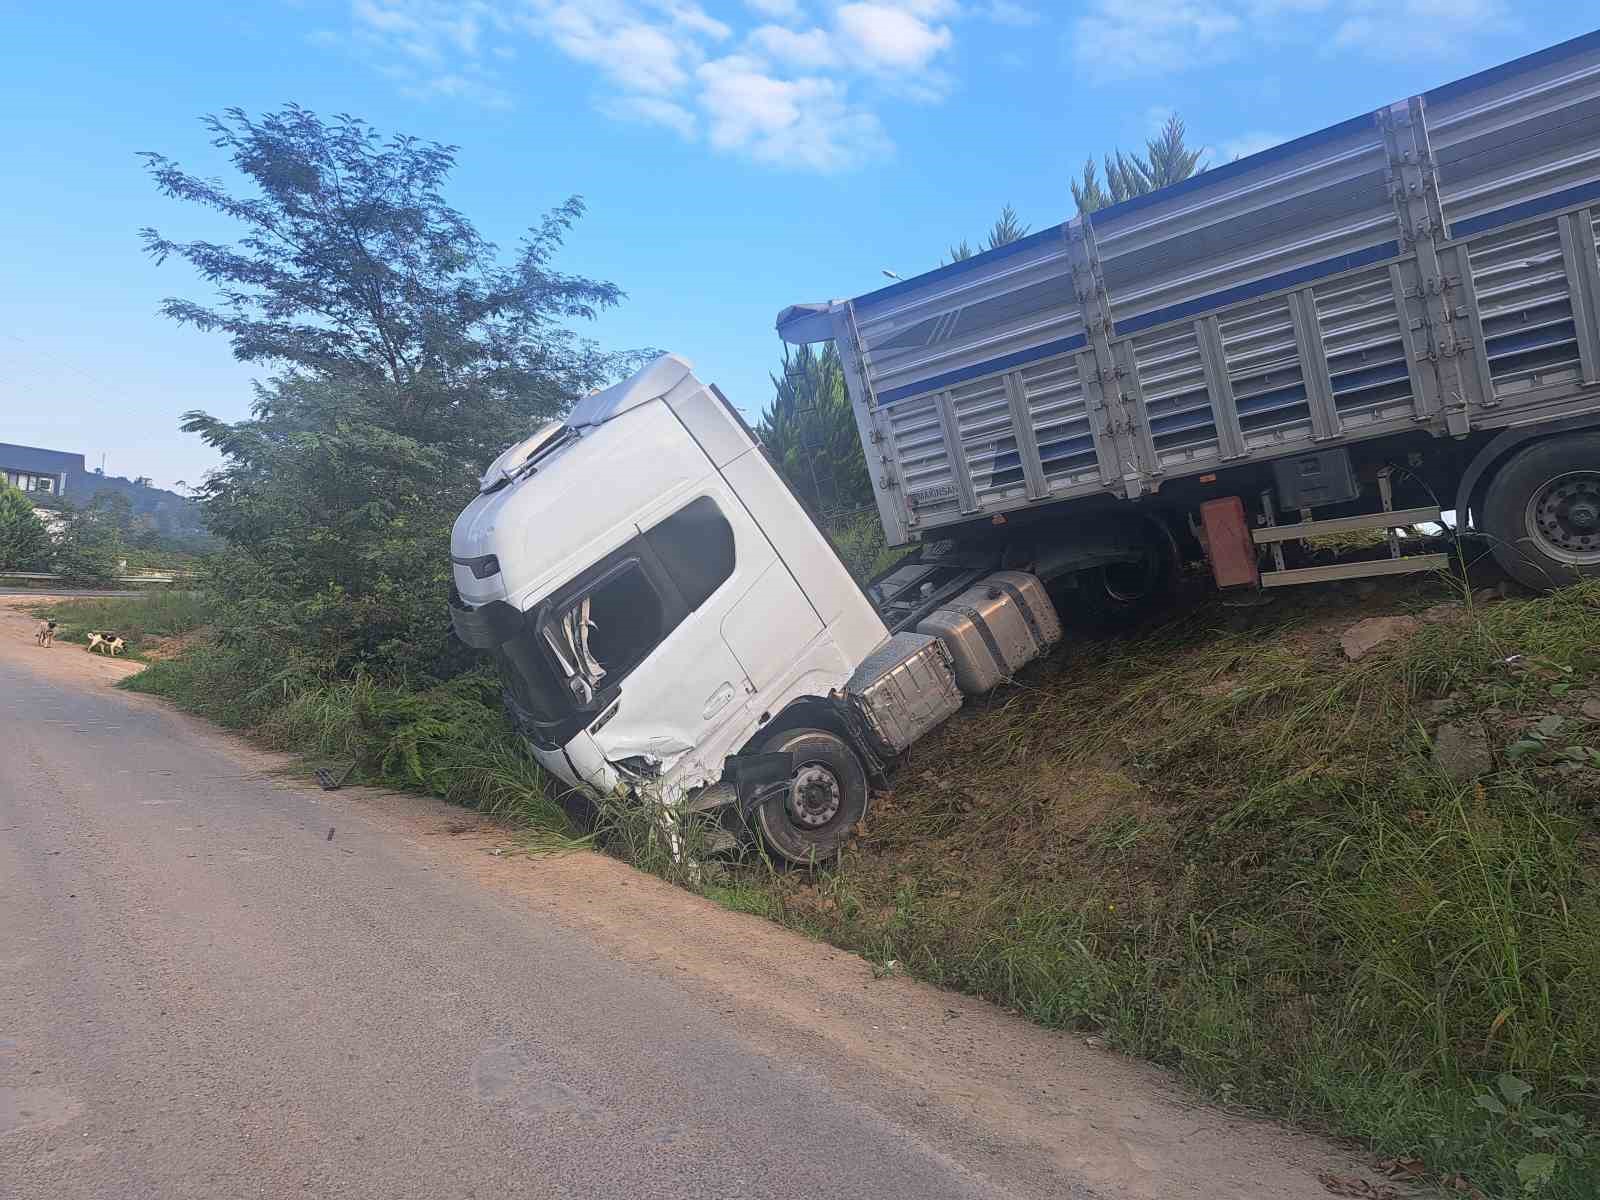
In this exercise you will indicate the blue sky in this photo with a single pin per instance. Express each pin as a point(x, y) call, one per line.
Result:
point(735, 156)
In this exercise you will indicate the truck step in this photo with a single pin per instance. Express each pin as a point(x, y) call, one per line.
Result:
point(1358, 570)
point(1397, 519)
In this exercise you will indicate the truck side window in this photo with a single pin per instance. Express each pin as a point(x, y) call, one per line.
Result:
point(625, 621)
point(695, 547)
point(609, 620)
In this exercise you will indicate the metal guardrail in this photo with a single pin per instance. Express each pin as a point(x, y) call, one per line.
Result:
point(44, 577)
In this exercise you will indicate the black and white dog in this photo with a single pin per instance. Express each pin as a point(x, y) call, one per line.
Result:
point(107, 643)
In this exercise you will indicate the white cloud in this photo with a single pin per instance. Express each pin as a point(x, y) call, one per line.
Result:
point(775, 10)
point(794, 92)
point(810, 49)
point(423, 30)
point(1114, 39)
point(1433, 27)
point(652, 110)
point(452, 86)
point(691, 17)
point(806, 122)
point(889, 37)
point(1246, 144)
point(637, 54)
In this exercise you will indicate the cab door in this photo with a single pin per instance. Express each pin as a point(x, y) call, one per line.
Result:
point(702, 553)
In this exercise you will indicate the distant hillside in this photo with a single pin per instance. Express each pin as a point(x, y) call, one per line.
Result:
point(153, 508)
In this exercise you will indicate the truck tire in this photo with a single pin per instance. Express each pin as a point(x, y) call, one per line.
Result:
point(1114, 597)
point(812, 820)
point(1542, 512)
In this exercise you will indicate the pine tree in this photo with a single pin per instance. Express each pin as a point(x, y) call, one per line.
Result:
point(810, 432)
point(1167, 160)
point(1006, 228)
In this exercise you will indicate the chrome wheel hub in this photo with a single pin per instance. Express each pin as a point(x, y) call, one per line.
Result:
point(814, 796)
point(1563, 517)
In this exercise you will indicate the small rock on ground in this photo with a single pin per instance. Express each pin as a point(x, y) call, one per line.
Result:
point(1365, 636)
point(1440, 613)
point(1591, 709)
point(1460, 754)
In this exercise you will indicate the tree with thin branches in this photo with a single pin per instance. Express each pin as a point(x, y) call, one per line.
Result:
point(408, 351)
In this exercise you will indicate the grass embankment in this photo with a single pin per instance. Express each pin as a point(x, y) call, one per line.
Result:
point(449, 740)
point(1227, 848)
point(1221, 846)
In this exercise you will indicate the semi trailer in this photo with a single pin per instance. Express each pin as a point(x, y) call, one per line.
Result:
point(1364, 329)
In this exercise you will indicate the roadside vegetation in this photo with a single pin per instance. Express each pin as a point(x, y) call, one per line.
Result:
point(1227, 848)
point(401, 349)
point(153, 624)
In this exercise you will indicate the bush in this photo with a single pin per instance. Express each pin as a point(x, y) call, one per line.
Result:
point(24, 541)
point(88, 550)
point(860, 543)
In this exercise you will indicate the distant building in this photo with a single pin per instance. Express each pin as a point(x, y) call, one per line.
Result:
point(52, 476)
point(39, 472)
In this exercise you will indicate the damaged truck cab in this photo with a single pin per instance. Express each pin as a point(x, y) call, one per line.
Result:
point(658, 602)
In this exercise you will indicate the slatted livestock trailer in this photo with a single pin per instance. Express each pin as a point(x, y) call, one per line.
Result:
point(1358, 329)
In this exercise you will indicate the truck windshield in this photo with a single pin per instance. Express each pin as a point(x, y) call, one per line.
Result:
point(579, 647)
point(542, 701)
point(557, 670)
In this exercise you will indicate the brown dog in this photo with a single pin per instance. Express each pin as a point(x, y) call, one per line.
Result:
point(45, 635)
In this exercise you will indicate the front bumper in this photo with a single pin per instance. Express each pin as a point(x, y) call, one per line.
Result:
point(486, 626)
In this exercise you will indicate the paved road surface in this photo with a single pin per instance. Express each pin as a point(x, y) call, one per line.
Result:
point(202, 995)
point(34, 593)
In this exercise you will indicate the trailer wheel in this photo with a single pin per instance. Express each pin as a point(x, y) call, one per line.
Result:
point(1542, 512)
point(1121, 594)
point(827, 795)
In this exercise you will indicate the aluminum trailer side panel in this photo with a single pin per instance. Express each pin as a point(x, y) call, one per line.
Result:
point(1432, 265)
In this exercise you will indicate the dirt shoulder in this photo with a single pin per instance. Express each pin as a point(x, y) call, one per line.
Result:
point(66, 660)
point(1039, 1112)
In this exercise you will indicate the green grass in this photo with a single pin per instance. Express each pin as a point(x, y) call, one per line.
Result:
point(139, 619)
point(1226, 848)
point(449, 740)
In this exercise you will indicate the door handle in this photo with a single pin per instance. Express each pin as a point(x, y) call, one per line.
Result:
point(717, 701)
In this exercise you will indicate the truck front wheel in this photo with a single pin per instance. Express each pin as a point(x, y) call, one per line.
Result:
point(1542, 512)
point(827, 795)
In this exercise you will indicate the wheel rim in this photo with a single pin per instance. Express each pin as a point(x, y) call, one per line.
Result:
point(1563, 518)
point(815, 796)
point(1128, 582)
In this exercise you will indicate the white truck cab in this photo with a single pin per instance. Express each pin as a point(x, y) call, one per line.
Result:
point(667, 618)
point(654, 594)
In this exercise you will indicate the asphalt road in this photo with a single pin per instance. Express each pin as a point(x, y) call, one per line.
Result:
point(216, 983)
